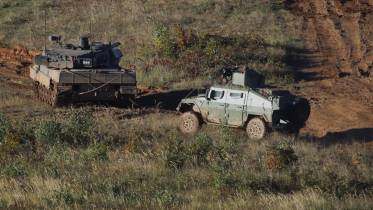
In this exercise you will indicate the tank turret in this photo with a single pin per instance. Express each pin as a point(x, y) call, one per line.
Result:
point(85, 55)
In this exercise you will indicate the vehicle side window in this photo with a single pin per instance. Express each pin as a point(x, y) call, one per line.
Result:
point(235, 95)
point(215, 94)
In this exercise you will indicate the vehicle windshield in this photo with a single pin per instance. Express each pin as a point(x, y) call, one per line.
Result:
point(216, 94)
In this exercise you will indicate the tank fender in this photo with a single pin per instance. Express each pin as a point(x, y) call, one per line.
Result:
point(44, 80)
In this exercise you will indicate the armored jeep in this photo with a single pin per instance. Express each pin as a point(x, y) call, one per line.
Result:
point(258, 110)
point(88, 71)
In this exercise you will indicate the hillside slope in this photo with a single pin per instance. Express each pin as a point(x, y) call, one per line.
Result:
point(341, 109)
point(342, 31)
point(338, 41)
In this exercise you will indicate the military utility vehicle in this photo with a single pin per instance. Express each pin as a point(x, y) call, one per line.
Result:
point(258, 110)
point(84, 72)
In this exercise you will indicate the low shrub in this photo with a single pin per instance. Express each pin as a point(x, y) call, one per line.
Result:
point(4, 126)
point(281, 155)
point(200, 149)
point(224, 178)
point(65, 196)
point(167, 199)
point(175, 153)
point(27, 132)
point(50, 132)
point(13, 170)
point(97, 151)
point(141, 140)
point(332, 180)
point(204, 54)
point(80, 127)
point(164, 43)
point(12, 143)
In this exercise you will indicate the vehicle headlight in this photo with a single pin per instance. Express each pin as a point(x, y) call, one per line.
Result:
point(86, 62)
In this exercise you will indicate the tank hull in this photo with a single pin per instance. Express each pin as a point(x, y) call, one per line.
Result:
point(57, 87)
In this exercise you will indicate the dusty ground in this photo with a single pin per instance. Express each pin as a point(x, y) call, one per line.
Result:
point(341, 108)
point(338, 38)
point(340, 31)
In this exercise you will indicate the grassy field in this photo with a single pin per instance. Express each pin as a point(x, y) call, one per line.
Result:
point(112, 158)
point(97, 157)
point(107, 158)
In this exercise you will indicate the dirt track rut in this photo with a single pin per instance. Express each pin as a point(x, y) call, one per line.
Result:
point(341, 31)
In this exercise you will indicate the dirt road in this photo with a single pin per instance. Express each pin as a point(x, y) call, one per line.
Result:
point(340, 31)
point(339, 106)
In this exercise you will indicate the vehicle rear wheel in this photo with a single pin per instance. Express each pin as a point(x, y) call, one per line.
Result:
point(189, 123)
point(256, 129)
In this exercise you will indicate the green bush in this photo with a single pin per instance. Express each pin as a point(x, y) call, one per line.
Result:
point(229, 142)
point(97, 151)
point(211, 48)
point(175, 153)
point(14, 170)
point(50, 132)
point(80, 127)
point(164, 42)
point(78, 130)
point(224, 178)
point(200, 149)
point(27, 132)
point(281, 155)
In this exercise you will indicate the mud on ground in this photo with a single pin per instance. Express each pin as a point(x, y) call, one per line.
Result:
point(338, 41)
point(340, 33)
point(338, 107)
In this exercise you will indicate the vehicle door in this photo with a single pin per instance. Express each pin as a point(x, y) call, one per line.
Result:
point(216, 106)
point(235, 105)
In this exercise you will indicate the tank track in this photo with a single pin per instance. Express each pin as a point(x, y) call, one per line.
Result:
point(49, 96)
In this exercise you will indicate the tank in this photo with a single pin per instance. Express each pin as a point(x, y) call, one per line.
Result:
point(83, 72)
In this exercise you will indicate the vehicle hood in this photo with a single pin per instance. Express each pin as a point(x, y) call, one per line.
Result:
point(197, 100)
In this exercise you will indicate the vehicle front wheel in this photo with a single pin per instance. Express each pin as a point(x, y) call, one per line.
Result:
point(189, 123)
point(256, 129)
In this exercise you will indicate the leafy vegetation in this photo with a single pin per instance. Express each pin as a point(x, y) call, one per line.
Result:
point(4, 126)
point(219, 168)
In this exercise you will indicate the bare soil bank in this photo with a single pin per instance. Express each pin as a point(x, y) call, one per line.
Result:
point(339, 32)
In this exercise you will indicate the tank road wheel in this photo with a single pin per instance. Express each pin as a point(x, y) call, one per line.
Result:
point(53, 98)
point(256, 128)
point(41, 93)
point(36, 89)
point(189, 123)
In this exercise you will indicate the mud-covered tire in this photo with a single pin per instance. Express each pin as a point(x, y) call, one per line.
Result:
point(256, 129)
point(189, 123)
